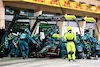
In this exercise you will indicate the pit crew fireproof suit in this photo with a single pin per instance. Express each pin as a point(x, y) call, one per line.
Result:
point(70, 38)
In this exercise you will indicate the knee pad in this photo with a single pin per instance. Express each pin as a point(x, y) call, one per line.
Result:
point(70, 53)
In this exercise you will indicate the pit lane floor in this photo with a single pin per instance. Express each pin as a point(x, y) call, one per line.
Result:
point(45, 62)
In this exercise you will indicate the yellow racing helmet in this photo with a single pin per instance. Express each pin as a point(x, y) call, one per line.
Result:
point(69, 28)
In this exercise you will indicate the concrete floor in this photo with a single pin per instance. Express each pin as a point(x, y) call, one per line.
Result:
point(44, 62)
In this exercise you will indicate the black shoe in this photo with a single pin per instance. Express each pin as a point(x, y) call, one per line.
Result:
point(1, 57)
point(69, 60)
point(24, 57)
point(88, 57)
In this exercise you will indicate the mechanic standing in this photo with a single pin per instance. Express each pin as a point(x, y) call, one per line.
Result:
point(23, 43)
point(70, 37)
